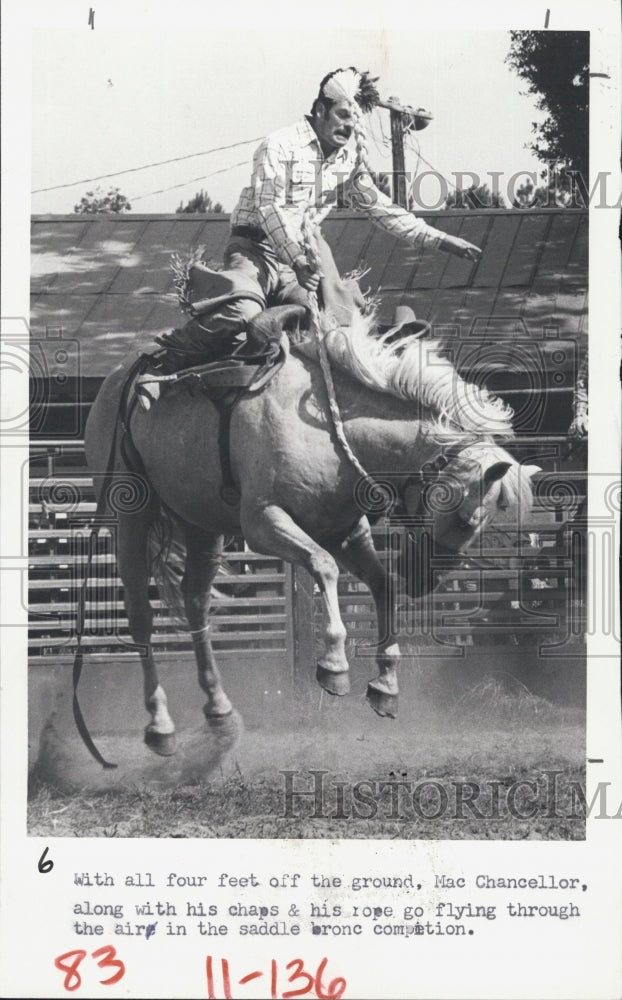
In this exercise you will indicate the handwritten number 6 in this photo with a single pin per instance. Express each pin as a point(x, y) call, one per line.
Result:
point(43, 865)
point(336, 987)
point(109, 961)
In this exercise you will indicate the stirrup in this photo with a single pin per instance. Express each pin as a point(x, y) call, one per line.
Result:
point(147, 393)
point(147, 387)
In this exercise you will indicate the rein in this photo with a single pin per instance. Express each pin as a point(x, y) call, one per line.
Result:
point(97, 524)
point(429, 473)
point(78, 661)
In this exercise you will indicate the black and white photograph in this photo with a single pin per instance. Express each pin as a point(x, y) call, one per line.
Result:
point(309, 570)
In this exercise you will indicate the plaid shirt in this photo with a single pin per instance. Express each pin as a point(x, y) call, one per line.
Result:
point(291, 172)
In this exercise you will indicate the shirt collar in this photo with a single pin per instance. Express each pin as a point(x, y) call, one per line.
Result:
point(308, 133)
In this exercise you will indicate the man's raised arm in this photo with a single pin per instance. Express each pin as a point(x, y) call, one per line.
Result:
point(363, 194)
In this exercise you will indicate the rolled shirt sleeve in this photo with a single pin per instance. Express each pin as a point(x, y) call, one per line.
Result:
point(362, 194)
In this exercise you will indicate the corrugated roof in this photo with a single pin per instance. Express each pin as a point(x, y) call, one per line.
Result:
point(106, 280)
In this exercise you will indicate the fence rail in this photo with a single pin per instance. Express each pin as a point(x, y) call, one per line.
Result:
point(260, 603)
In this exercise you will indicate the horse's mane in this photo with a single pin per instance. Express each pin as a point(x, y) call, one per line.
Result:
point(414, 369)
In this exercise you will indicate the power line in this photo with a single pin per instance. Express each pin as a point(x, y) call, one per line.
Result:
point(435, 169)
point(381, 149)
point(412, 144)
point(193, 180)
point(159, 163)
point(386, 139)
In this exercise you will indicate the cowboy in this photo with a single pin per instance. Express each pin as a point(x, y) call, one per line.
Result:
point(299, 173)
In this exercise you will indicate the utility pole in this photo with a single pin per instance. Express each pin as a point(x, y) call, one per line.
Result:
point(403, 118)
point(399, 163)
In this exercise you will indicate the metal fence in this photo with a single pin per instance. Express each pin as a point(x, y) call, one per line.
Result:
point(520, 586)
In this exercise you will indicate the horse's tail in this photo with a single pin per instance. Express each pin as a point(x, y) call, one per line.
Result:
point(166, 553)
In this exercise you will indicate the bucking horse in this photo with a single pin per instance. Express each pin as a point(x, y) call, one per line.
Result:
point(349, 410)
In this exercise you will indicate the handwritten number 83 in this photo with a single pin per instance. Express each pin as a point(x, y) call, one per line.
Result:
point(107, 960)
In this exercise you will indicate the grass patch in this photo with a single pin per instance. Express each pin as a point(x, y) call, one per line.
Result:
point(235, 807)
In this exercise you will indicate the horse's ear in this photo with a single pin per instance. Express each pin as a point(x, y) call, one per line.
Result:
point(495, 472)
point(530, 470)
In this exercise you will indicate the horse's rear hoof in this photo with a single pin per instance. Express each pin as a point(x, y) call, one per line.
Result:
point(215, 717)
point(338, 684)
point(224, 729)
point(164, 744)
point(382, 703)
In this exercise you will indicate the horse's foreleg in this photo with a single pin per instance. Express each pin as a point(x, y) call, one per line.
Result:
point(357, 553)
point(204, 555)
point(134, 572)
point(271, 530)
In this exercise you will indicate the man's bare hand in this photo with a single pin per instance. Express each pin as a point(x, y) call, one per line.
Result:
point(307, 276)
point(453, 244)
point(578, 427)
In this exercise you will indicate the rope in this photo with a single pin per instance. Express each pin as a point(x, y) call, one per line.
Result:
point(309, 228)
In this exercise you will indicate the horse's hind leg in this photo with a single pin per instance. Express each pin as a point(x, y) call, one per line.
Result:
point(203, 558)
point(134, 571)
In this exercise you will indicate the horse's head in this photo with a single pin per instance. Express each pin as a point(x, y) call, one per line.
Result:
point(447, 510)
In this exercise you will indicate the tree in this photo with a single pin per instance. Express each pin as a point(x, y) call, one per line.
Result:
point(556, 66)
point(476, 196)
point(98, 202)
point(201, 203)
point(556, 193)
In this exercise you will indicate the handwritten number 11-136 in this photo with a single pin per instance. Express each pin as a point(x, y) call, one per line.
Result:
point(307, 984)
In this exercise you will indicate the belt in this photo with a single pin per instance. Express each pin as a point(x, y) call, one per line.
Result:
point(250, 233)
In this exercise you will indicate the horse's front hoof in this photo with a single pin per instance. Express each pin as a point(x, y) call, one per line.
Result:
point(383, 704)
point(164, 744)
point(338, 684)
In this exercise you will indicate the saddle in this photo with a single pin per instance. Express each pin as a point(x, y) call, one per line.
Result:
point(225, 379)
point(248, 367)
point(239, 371)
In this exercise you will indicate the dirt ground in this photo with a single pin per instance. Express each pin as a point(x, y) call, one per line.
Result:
point(516, 756)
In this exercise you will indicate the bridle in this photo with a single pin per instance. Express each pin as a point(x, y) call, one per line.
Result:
point(378, 496)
